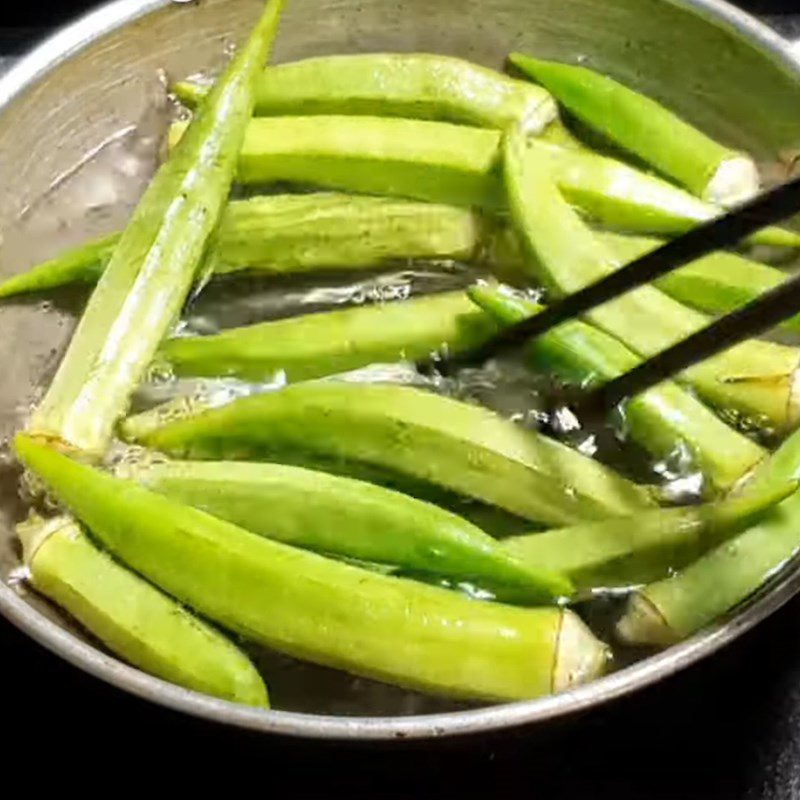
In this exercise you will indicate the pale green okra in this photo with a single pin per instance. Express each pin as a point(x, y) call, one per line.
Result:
point(410, 437)
point(663, 420)
point(627, 551)
point(131, 617)
point(418, 85)
point(647, 129)
point(334, 515)
point(329, 342)
point(154, 264)
point(757, 379)
point(664, 612)
point(320, 610)
point(459, 165)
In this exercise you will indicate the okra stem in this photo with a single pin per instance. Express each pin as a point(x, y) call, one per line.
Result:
point(417, 85)
point(321, 610)
point(755, 378)
point(132, 618)
point(649, 130)
point(663, 419)
point(408, 435)
point(149, 276)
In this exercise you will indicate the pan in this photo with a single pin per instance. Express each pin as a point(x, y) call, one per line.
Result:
point(93, 94)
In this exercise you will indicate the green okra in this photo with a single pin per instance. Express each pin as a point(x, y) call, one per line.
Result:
point(459, 165)
point(154, 264)
point(131, 617)
point(345, 517)
point(412, 435)
point(292, 234)
point(328, 342)
point(671, 609)
point(755, 378)
point(84, 264)
point(717, 284)
point(648, 130)
point(416, 85)
point(321, 610)
point(662, 419)
point(634, 550)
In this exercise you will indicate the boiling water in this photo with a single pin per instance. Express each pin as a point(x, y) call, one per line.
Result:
point(97, 196)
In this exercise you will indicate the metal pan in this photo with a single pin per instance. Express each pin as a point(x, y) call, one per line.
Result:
point(94, 79)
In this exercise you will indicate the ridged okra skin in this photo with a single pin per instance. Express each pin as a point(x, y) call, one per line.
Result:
point(717, 284)
point(136, 621)
point(153, 267)
point(330, 342)
point(671, 609)
point(335, 515)
point(459, 165)
point(756, 378)
point(413, 435)
point(648, 130)
point(417, 85)
point(321, 610)
point(274, 235)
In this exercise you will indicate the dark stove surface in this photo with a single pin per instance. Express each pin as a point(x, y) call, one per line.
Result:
point(727, 729)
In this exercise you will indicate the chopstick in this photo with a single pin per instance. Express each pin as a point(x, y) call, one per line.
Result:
point(752, 319)
point(756, 317)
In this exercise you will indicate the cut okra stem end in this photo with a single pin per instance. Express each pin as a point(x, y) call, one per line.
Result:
point(735, 180)
point(580, 656)
point(643, 624)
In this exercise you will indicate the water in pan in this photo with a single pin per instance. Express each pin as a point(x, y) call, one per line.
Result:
point(98, 194)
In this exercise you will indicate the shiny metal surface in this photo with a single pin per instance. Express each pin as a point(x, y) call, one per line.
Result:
point(711, 62)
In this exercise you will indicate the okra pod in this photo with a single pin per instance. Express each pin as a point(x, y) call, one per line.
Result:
point(459, 165)
point(718, 283)
point(154, 264)
point(648, 130)
point(671, 609)
point(409, 435)
point(663, 419)
point(634, 550)
point(756, 378)
point(292, 234)
point(345, 517)
point(416, 85)
point(320, 610)
point(84, 264)
point(328, 342)
point(131, 617)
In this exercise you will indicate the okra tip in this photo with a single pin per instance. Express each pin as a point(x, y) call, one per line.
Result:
point(580, 656)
